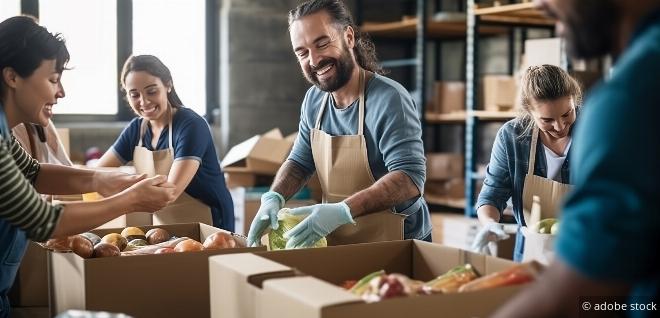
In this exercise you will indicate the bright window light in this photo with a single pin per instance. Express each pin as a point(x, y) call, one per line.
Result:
point(9, 8)
point(90, 30)
point(174, 31)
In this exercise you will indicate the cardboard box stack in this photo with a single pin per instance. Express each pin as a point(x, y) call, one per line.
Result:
point(444, 177)
point(499, 92)
point(304, 283)
point(448, 97)
point(156, 285)
point(255, 161)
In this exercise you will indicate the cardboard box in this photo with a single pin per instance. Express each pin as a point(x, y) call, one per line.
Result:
point(443, 166)
point(499, 92)
point(543, 51)
point(304, 283)
point(448, 97)
point(247, 179)
point(31, 284)
point(452, 188)
point(163, 285)
point(262, 154)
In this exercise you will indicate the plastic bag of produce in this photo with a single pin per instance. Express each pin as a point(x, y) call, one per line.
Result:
point(287, 221)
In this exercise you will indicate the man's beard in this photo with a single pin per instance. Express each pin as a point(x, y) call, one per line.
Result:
point(343, 69)
point(591, 28)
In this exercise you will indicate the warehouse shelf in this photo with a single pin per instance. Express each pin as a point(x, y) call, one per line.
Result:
point(457, 203)
point(460, 117)
point(407, 28)
point(456, 118)
point(512, 16)
point(524, 14)
point(487, 115)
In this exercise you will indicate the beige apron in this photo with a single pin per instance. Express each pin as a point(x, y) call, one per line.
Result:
point(545, 195)
point(343, 169)
point(185, 209)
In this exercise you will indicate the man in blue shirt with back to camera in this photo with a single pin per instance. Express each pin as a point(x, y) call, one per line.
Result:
point(607, 256)
point(359, 131)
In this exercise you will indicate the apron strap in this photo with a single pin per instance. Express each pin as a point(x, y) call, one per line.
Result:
point(143, 129)
point(170, 145)
point(361, 85)
point(318, 117)
point(532, 151)
point(360, 131)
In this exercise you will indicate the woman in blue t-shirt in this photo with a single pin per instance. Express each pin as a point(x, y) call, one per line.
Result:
point(172, 140)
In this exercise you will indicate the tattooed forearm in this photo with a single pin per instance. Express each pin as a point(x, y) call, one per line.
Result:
point(392, 189)
point(289, 179)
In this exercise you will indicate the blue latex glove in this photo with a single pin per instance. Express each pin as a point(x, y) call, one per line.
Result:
point(321, 220)
point(491, 232)
point(271, 203)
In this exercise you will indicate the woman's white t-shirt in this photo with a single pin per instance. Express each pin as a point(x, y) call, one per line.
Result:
point(554, 162)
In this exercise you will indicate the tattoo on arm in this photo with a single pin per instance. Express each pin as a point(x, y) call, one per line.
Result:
point(289, 179)
point(394, 188)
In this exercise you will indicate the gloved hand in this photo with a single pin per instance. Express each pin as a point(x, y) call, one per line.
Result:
point(321, 220)
point(491, 232)
point(271, 203)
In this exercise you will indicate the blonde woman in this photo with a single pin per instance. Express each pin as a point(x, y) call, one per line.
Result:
point(550, 100)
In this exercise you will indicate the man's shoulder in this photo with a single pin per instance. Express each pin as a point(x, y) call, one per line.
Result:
point(381, 84)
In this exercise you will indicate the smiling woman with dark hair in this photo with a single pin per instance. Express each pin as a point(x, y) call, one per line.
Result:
point(31, 65)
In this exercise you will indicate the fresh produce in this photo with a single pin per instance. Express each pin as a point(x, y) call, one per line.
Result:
point(554, 229)
point(157, 235)
point(59, 244)
point(82, 246)
point(188, 245)
point(287, 221)
point(164, 250)
point(135, 244)
point(131, 233)
point(518, 274)
point(451, 281)
point(544, 226)
point(95, 239)
point(378, 286)
point(115, 239)
point(106, 250)
point(219, 240)
point(152, 248)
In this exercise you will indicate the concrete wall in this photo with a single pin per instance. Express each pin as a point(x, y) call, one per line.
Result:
point(261, 83)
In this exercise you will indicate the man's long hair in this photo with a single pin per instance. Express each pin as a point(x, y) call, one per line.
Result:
point(364, 50)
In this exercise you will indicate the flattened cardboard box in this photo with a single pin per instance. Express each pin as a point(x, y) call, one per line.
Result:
point(262, 154)
point(304, 283)
point(163, 285)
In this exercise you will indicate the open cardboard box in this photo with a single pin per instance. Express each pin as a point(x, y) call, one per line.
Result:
point(162, 285)
point(262, 154)
point(304, 283)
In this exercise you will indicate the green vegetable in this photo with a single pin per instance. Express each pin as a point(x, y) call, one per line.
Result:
point(452, 280)
point(363, 284)
point(287, 221)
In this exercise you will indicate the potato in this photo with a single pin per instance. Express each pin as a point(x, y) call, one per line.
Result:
point(106, 250)
point(82, 246)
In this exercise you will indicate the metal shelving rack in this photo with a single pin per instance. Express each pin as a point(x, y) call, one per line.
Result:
point(424, 30)
point(522, 15)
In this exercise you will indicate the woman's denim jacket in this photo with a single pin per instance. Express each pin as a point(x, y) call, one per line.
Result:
point(505, 174)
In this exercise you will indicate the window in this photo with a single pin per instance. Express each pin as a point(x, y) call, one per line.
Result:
point(175, 32)
point(91, 84)
point(9, 8)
